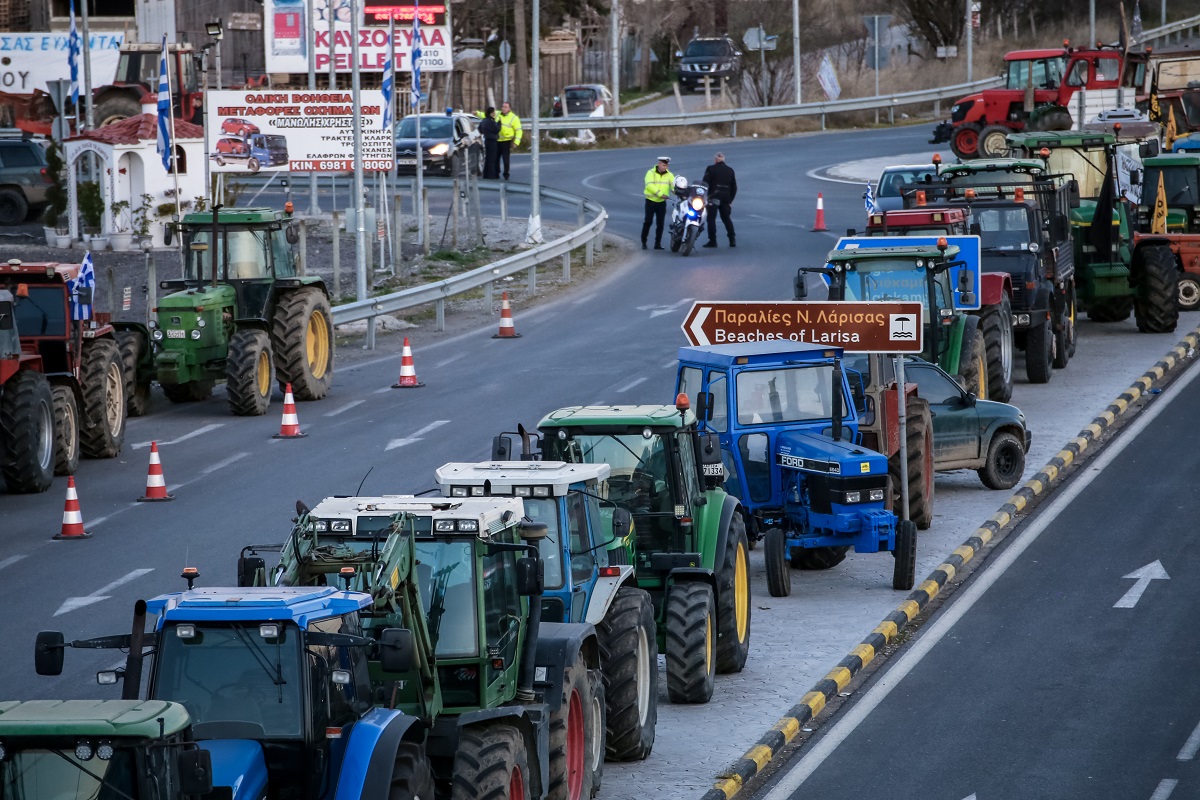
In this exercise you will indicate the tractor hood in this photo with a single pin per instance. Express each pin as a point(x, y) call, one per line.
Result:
point(811, 452)
point(194, 299)
point(240, 765)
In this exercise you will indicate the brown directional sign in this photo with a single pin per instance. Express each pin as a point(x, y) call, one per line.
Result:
point(856, 327)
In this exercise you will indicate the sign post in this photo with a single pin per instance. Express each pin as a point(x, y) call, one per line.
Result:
point(856, 327)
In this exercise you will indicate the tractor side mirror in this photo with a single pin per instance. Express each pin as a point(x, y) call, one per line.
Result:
point(397, 650)
point(168, 233)
point(801, 291)
point(249, 568)
point(84, 295)
point(965, 287)
point(711, 465)
point(531, 576)
point(1073, 193)
point(195, 772)
point(48, 652)
point(1149, 149)
point(292, 232)
point(501, 448)
point(622, 521)
point(1135, 177)
point(704, 406)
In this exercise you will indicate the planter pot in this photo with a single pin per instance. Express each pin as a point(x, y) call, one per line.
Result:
point(121, 242)
point(62, 240)
point(98, 242)
point(51, 234)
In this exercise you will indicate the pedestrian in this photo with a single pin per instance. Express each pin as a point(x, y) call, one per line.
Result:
point(510, 134)
point(722, 188)
point(659, 183)
point(489, 129)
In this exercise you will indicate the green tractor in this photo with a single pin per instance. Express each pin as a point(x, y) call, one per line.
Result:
point(241, 313)
point(84, 749)
point(1114, 273)
point(1180, 177)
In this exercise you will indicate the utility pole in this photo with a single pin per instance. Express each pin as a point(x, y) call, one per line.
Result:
point(87, 70)
point(970, 34)
point(796, 50)
point(1092, 22)
point(360, 211)
point(533, 232)
point(875, 36)
point(762, 64)
point(311, 42)
point(450, 74)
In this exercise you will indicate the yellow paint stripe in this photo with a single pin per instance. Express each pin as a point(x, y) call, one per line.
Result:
point(841, 676)
point(887, 630)
point(949, 570)
point(1037, 486)
point(1001, 518)
point(1144, 381)
point(789, 727)
point(1051, 472)
point(985, 535)
point(730, 786)
point(910, 609)
point(815, 701)
point(965, 552)
point(1067, 456)
point(760, 754)
point(1018, 501)
point(1095, 429)
point(1109, 417)
point(865, 653)
point(931, 588)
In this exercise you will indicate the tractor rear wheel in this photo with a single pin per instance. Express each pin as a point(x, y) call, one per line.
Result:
point(115, 108)
point(1110, 309)
point(918, 427)
point(27, 433)
point(66, 431)
point(1064, 339)
point(629, 666)
point(137, 392)
point(816, 558)
point(972, 363)
point(248, 372)
point(904, 572)
point(491, 764)
point(1039, 352)
point(779, 571)
point(103, 386)
point(733, 599)
point(691, 642)
point(302, 337)
point(1005, 462)
point(996, 325)
point(965, 141)
point(190, 392)
point(1056, 119)
point(597, 730)
point(1156, 308)
point(993, 141)
point(412, 776)
point(572, 737)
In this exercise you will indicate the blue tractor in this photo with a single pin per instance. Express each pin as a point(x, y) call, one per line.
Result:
point(792, 454)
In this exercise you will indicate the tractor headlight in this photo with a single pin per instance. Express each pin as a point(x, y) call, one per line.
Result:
point(877, 495)
point(443, 525)
point(196, 334)
point(321, 526)
point(105, 751)
point(200, 323)
point(152, 324)
point(853, 497)
point(522, 491)
point(340, 526)
point(468, 525)
point(458, 491)
point(157, 334)
point(83, 752)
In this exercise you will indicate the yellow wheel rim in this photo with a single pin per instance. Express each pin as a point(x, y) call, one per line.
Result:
point(708, 645)
point(981, 365)
point(262, 373)
point(317, 345)
point(741, 593)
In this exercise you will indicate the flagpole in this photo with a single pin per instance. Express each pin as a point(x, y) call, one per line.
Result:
point(415, 47)
point(174, 139)
point(394, 106)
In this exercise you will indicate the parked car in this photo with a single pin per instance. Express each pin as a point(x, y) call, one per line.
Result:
point(584, 100)
point(715, 57)
point(24, 178)
point(236, 126)
point(893, 181)
point(446, 139)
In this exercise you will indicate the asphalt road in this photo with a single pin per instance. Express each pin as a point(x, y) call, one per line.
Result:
point(1064, 671)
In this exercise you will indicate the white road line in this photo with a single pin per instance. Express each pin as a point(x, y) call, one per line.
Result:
point(416, 436)
point(588, 182)
point(222, 464)
point(1165, 787)
point(587, 298)
point(185, 437)
point(73, 603)
point(8, 562)
point(812, 173)
point(449, 360)
point(671, 364)
point(631, 384)
point(846, 724)
point(346, 407)
point(1186, 754)
point(384, 390)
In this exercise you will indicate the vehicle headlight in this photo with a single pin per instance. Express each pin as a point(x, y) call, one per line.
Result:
point(443, 525)
point(340, 526)
point(853, 497)
point(83, 751)
point(200, 323)
point(105, 751)
point(157, 334)
point(321, 526)
point(697, 203)
point(468, 525)
point(196, 334)
point(458, 491)
point(439, 149)
point(877, 495)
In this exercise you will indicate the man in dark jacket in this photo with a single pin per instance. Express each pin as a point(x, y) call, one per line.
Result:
point(722, 188)
point(489, 128)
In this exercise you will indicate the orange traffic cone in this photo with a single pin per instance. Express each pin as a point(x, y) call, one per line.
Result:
point(507, 331)
point(156, 485)
point(72, 524)
point(819, 225)
point(289, 428)
point(408, 372)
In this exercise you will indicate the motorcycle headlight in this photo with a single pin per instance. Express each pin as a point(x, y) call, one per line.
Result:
point(439, 149)
point(697, 203)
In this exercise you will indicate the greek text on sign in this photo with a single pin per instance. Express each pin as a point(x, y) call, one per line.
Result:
point(28, 61)
point(856, 327)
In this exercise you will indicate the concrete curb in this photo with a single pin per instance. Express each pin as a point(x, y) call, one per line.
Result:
point(731, 781)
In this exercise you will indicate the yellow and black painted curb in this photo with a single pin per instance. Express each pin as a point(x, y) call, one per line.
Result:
point(731, 781)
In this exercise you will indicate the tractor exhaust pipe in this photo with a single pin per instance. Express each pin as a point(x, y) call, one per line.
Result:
point(132, 685)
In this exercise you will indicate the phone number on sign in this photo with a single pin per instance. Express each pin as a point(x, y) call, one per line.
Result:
point(340, 165)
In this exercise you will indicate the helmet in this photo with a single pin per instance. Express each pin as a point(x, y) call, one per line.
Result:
point(681, 183)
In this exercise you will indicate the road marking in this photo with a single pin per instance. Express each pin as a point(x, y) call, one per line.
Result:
point(416, 437)
point(8, 562)
point(222, 464)
point(587, 298)
point(185, 437)
point(631, 384)
point(450, 360)
point(346, 407)
point(812, 173)
point(845, 724)
point(671, 364)
point(384, 390)
point(588, 182)
point(73, 603)
point(1189, 747)
point(659, 310)
point(1151, 572)
point(1165, 787)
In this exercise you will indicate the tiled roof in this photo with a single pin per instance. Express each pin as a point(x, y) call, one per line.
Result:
point(142, 128)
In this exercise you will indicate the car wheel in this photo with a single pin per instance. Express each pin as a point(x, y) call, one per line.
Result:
point(253, 164)
point(13, 208)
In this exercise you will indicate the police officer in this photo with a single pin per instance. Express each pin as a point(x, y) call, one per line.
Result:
point(510, 134)
point(722, 188)
point(659, 183)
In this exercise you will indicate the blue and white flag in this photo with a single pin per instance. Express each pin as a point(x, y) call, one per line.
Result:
point(869, 200)
point(389, 79)
point(416, 59)
point(74, 46)
point(86, 279)
point(164, 109)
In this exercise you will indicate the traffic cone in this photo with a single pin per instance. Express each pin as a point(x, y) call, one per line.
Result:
point(289, 428)
point(408, 373)
point(72, 524)
point(156, 485)
point(819, 225)
point(507, 331)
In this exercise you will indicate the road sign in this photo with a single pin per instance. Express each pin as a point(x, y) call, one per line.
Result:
point(968, 252)
point(856, 327)
point(505, 51)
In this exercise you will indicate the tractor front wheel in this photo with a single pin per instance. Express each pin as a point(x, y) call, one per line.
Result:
point(115, 108)
point(1189, 291)
point(996, 326)
point(412, 776)
point(103, 379)
point(1039, 352)
point(972, 364)
point(27, 433)
point(918, 424)
point(1156, 307)
point(733, 599)
point(904, 572)
point(302, 337)
point(779, 571)
point(248, 372)
point(691, 642)
point(629, 666)
point(572, 737)
point(965, 141)
point(1064, 337)
point(491, 763)
point(66, 431)
point(993, 141)
point(137, 391)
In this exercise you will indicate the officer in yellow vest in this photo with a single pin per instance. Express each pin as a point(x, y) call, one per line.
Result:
point(510, 134)
point(659, 183)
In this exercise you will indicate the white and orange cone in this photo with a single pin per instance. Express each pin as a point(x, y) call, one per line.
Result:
point(819, 225)
point(156, 484)
point(72, 524)
point(507, 331)
point(289, 427)
point(408, 372)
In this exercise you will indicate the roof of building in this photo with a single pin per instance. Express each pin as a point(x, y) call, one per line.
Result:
point(140, 128)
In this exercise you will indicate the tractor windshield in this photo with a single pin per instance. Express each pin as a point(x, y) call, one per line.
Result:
point(43, 312)
point(242, 253)
point(895, 279)
point(1003, 228)
point(1040, 73)
point(55, 773)
point(1086, 164)
point(793, 394)
point(639, 480)
point(446, 579)
point(545, 509)
point(1179, 185)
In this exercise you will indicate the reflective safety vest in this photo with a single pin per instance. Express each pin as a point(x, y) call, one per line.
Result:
point(510, 128)
point(659, 185)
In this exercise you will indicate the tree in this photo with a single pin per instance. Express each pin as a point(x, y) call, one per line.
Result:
point(938, 22)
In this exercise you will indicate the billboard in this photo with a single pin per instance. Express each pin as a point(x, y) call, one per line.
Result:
point(29, 60)
point(286, 40)
point(298, 131)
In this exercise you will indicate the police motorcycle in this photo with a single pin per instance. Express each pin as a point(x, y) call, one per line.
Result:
point(690, 215)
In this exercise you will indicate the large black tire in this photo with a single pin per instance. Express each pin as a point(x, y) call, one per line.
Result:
point(249, 372)
point(972, 358)
point(817, 558)
point(137, 392)
point(103, 386)
point(1064, 337)
point(66, 431)
point(1110, 309)
point(302, 336)
point(27, 433)
point(918, 428)
point(1156, 307)
point(993, 141)
point(412, 776)
point(676, 242)
point(190, 392)
point(689, 239)
point(597, 731)
point(995, 323)
point(691, 642)
point(733, 599)
point(1005, 462)
point(965, 141)
point(491, 764)
point(629, 666)
point(1039, 352)
point(904, 571)
point(1073, 307)
point(1188, 291)
point(571, 774)
point(115, 108)
point(13, 208)
point(779, 571)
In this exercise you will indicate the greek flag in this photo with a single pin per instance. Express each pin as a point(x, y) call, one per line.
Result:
point(389, 78)
point(164, 109)
point(869, 200)
point(416, 59)
point(86, 279)
point(73, 49)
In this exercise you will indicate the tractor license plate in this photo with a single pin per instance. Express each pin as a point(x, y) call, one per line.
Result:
point(407, 162)
point(175, 334)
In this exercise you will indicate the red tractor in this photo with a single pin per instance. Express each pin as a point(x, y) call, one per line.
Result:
point(1036, 95)
point(26, 411)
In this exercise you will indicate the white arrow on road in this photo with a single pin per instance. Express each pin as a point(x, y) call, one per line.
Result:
point(416, 437)
point(73, 603)
point(1151, 572)
point(658, 311)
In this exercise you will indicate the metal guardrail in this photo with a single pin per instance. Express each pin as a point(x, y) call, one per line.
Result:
point(1166, 30)
point(589, 235)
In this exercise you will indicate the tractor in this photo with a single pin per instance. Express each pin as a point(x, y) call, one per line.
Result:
point(26, 411)
point(1179, 174)
point(241, 313)
point(80, 354)
point(792, 455)
point(1114, 275)
point(81, 749)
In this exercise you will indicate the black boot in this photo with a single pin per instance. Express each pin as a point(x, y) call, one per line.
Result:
point(732, 242)
point(710, 243)
point(643, 244)
point(658, 246)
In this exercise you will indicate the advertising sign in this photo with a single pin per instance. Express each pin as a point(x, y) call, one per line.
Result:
point(969, 252)
point(29, 60)
point(856, 327)
point(300, 131)
point(827, 77)
point(286, 39)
